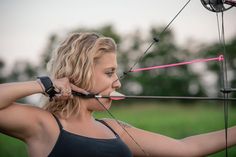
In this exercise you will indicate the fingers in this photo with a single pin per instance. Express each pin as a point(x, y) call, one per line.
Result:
point(65, 88)
point(77, 89)
point(64, 93)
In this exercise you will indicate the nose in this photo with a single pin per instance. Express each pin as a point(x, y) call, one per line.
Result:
point(116, 84)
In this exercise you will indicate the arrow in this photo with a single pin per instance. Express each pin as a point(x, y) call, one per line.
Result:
point(118, 96)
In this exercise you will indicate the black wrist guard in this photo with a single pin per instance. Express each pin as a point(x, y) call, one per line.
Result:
point(49, 89)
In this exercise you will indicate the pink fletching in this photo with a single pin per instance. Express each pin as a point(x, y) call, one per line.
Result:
point(117, 98)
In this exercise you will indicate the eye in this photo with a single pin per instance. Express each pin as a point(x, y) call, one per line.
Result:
point(110, 73)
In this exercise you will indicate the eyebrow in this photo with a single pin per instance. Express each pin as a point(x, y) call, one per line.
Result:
point(111, 68)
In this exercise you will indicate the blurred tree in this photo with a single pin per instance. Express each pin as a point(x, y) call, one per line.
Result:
point(22, 71)
point(216, 49)
point(182, 81)
point(2, 76)
point(46, 55)
point(55, 38)
point(107, 30)
point(171, 81)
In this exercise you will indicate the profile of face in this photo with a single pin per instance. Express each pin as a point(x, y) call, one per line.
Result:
point(105, 79)
point(89, 61)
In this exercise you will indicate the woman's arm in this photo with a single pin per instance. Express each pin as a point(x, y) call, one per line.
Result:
point(18, 120)
point(212, 142)
point(10, 92)
point(158, 145)
point(25, 121)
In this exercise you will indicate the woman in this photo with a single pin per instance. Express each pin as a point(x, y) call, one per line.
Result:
point(65, 125)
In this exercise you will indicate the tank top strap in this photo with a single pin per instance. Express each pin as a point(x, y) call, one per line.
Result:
point(58, 122)
point(105, 123)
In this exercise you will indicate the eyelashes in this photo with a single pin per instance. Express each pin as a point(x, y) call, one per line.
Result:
point(110, 74)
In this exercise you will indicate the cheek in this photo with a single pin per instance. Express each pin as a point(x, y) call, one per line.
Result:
point(101, 82)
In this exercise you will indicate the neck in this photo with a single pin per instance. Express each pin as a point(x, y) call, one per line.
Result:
point(83, 114)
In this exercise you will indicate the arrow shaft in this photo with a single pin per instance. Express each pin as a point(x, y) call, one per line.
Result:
point(165, 98)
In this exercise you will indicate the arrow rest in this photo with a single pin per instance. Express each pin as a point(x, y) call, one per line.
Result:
point(218, 5)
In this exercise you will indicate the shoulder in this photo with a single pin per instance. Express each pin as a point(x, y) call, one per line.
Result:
point(115, 123)
point(24, 121)
point(118, 125)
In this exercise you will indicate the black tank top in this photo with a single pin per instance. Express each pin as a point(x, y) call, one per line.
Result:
point(72, 145)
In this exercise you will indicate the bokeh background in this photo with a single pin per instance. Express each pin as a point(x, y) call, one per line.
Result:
point(31, 29)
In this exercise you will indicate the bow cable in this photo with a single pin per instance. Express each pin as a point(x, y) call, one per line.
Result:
point(224, 78)
point(117, 121)
point(155, 40)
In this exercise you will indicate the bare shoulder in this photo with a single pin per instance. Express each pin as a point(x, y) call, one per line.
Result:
point(23, 121)
point(117, 125)
point(142, 142)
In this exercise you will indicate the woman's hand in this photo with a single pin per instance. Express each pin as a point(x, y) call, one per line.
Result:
point(65, 88)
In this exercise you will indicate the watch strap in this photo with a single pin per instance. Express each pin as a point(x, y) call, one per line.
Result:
point(49, 89)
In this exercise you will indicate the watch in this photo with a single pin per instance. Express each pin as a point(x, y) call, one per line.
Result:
point(49, 89)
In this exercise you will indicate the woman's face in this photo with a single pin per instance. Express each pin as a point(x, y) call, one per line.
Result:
point(105, 79)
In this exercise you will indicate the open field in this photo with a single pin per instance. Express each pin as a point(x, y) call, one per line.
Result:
point(170, 119)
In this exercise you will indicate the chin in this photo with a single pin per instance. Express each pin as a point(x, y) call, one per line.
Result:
point(106, 104)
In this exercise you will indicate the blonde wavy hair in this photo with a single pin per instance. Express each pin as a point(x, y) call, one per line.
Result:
point(75, 59)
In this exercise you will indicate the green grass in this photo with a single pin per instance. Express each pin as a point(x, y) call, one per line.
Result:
point(171, 119)
point(11, 147)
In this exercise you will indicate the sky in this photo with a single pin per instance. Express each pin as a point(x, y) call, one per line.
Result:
point(27, 24)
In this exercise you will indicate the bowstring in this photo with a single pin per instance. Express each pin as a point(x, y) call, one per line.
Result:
point(117, 121)
point(226, 95)
point(224, 77)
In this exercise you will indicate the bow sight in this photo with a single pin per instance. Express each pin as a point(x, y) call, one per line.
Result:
point(218, 5)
